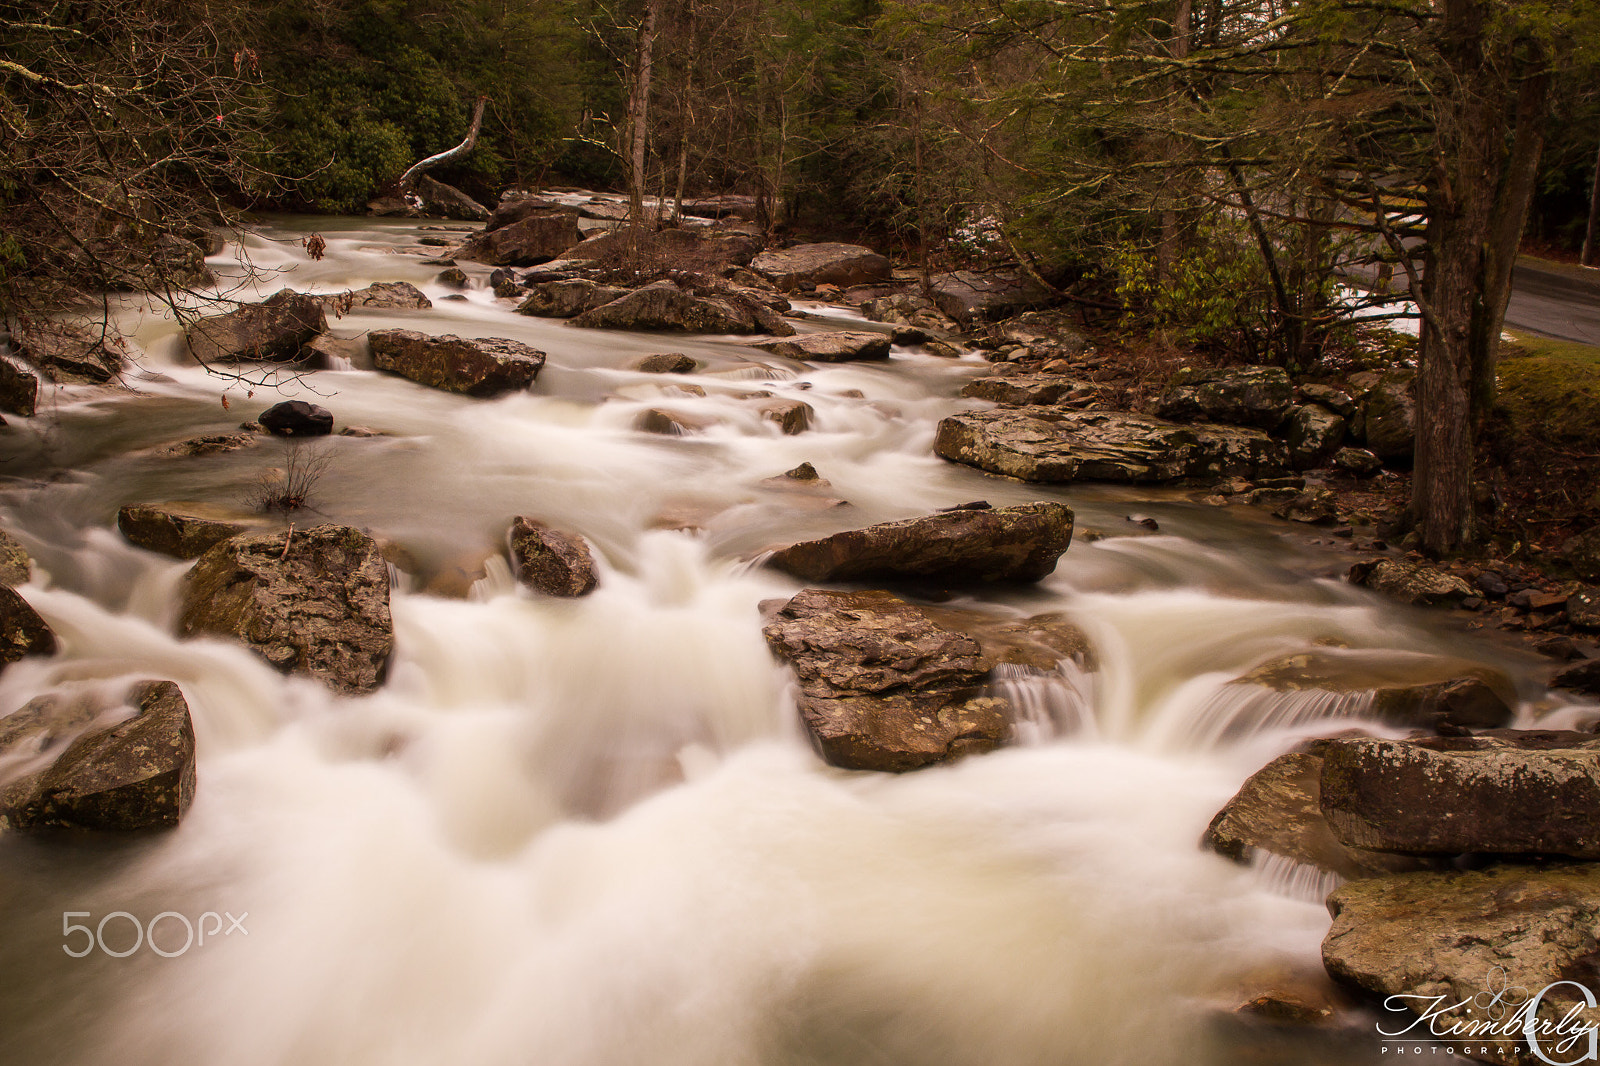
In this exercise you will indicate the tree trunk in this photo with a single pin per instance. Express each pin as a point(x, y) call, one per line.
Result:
point(446, 156)
point(1587, 259)
point(1167, 251)
point(638, 119)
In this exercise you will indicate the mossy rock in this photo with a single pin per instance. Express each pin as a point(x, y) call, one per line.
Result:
point(1553, 392)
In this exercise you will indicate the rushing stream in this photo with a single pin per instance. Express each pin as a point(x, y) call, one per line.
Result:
point(592, 832)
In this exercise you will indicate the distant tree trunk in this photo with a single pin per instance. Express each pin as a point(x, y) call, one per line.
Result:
point(639, 118)
point(457, 152)
point(1167, 250)
point(1587, 259)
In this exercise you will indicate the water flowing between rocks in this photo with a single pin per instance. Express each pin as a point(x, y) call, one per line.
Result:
point(592, 831)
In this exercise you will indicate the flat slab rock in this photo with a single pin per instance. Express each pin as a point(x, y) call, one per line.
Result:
point(1050, 446)
point(822, 264)
point(1034, 389)
point(1461, 937)
point(839, 347)
point(1239, 395)
point(88, 766)
point(1002, 544)
point(1506, 792)
point(312, 601)
point(664, 306)
point(179, 530)
point(379, 296)
point(477, 366)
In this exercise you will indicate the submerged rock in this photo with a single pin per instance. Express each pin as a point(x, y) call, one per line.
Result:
point(841, 347)
point(1001, 544)
point(133, 772)
point(479, 366)
point(822, 264)
point(22, 631)
point(312, 601)
point(275, 330)
point(550, 561)
point(1507, 792)
point(882, 687)
point(166, 529)
point(1044, 445)
point(663, 305)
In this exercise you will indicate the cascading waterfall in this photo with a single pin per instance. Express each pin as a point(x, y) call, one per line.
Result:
point(592, 832)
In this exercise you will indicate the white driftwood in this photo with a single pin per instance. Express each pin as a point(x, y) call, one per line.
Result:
point(444, 157)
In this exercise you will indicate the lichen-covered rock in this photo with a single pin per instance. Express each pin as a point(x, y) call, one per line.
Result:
point(539, 236)
point(841, 347)
point(1278, 810)
point(1474, 946)
point(551, 561)
point(666, 363)
point(882, 687)
point(1414, 583)
point(1000, 544)
point(822, 264)
point(1238, 395)
point(1035, 389)
point(379, 296)
point(22, 631)
point(1045, 445)
point(137, 772)
point(477, 366)
point(663, 305)
point(567, 298)
point(1315, 434)
point(309, 601)
point(275, 330)
point(173, 531)
point(1506, 792)
point(16, 567)
point(1389, 417)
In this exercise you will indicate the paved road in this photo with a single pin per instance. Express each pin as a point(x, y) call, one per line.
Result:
point(1555, 299)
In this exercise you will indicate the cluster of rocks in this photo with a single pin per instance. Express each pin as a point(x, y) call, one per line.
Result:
point(41, 353)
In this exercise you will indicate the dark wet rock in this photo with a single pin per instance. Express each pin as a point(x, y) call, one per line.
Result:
point(1357, 461)
point(1315, 434)
point(211, 444)
point(297, 418)
point(310, 601)
point(551, 561)
point(19, 387)
point(1415, 583)
point(172, 530)
point(446, 201)
point(537, 237)
point(1044, 445)
point(1492, 585)
point(1582, 677)
point(883, 687)
point(16, 567)
point(1237, 395)
point(478, 366)
point(663, 305)
point(969, 297)
point(1555, 646)
point(1583, 608)
point(22, 631)
point(666, 363)
point(1278, 810)
point(822, 264)
point(519, 208)
point(1461, 941)
point(1003, 544)
point(66, 353)
point(1388, 417)
point(791, 416)
point(1408, 689)
point(97, 769)
point(1335, 399)
point(379, 296)
point(842, 347)
point(909, 336)
point(1311, 506)
point(567, 299)
point(672, 423)
point(275, 330)
point(1582, 553)
point(454, 277)
point(728, 205)
point(1506, 792)
point(1034, 389)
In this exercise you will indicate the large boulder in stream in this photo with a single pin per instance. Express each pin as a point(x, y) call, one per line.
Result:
point(882, 686)
point(19, 387)
point(98, 767)
point(841, 347)
point(1475, 947)
point(379, 296)
point(663, 305)
point(477, 366)
point(310, 601)
point(67, 353)
point(567, 299)
point(550, 560)
point(183, 531)
point(22, 631)
point(275, 330)
point(1048, 445)
point(843, 265)
point(538, 236)
point(1238, 395)
point(1505, 792)
point(1001, 544)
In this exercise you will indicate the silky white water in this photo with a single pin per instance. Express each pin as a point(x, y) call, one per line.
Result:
point(592, 832)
